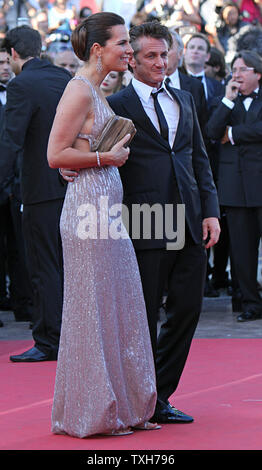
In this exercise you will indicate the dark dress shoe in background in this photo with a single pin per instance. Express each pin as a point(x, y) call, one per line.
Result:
point(249, 316)
point(32, 355)
point(210, 291)
point(5, 304)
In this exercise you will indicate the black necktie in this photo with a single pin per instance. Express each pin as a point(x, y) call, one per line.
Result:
point(2, 88)
point(160, 115)
point(252, 95)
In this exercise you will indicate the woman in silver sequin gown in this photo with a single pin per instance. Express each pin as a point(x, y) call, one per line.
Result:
point(105, 379)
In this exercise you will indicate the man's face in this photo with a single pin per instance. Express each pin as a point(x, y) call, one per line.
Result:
point(67, 60)
point(150, 63)
point(5, 67)
point(247, 78)
point(196, 53)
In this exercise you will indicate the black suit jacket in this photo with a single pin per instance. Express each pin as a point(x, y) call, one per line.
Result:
point(240, 165)
point(214, 88)
point(153, 167)
point(32, 98)
point(6, 182)
point(195, 87)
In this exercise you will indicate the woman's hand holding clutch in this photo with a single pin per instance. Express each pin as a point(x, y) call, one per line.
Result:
point(118, 155)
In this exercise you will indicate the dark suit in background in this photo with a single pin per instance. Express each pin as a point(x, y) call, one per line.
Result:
point(196, 89)
point(214, 88)
point(240, 190)
point(157, 173)
point(32, 98)
point(12, 254)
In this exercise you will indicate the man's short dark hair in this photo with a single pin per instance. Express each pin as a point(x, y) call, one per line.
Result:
point(153, 29)
point(200, 36)
point(25, 40)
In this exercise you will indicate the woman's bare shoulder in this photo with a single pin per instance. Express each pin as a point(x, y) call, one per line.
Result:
point(77, 94)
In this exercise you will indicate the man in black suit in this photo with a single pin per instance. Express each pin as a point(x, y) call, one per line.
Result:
point(5, 228)
point(167, 169)
point(197, 53)
point(32, 98)
point(12, 253)
point(236, 119)
point(181, 81)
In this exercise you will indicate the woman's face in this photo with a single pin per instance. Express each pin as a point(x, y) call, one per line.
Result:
point(117, 51)
point(110, 82)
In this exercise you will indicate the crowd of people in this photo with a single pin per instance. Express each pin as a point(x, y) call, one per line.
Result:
point(228, 26)
point(210, 161)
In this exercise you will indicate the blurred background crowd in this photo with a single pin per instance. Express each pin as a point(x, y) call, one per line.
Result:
point(229, 26)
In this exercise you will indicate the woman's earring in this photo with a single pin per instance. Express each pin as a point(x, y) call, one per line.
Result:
point(99, 66)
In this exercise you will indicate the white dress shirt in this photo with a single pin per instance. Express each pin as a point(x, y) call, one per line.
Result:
point(174, 80)
point(3, 93)
point(3, 97)
point(169, 106)
point(230, 104)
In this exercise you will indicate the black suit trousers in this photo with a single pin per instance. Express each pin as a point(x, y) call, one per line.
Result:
point(245, 230)
point(45, 264)
point(20, 286)
point(183, 273)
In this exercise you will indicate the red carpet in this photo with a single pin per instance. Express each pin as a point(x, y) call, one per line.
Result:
point(221, 387)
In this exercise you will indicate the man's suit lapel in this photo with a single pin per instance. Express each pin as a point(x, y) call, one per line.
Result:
point(180, 126)
point(136, 112)
point(185, 82)
point(254, 109)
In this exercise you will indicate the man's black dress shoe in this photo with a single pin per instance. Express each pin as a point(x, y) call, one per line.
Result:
point(5, 304)
point(170, 414)
point(32, 355)
point(249, 316)
point(210, 291)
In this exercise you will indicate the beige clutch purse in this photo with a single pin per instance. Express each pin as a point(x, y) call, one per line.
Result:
point(115, 129)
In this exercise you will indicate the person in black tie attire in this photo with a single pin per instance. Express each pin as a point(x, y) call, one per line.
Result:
point(32, 98)
point(167, 164)
point(236, 119)
point(177, 79)
point(12, 255)
point(5, 246)
point(197, 53)
point(158, 171)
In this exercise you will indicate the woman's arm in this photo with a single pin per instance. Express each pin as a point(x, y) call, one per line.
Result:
point(74, 111)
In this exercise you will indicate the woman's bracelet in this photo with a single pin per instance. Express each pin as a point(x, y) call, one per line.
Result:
point(98, 159)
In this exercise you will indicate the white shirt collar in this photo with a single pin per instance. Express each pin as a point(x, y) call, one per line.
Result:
point(144, 91)
point(174, 79)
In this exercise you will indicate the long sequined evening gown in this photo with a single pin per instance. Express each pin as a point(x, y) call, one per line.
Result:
point(105, 377)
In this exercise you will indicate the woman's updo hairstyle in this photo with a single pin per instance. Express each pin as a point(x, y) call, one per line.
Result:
point(96, 28)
